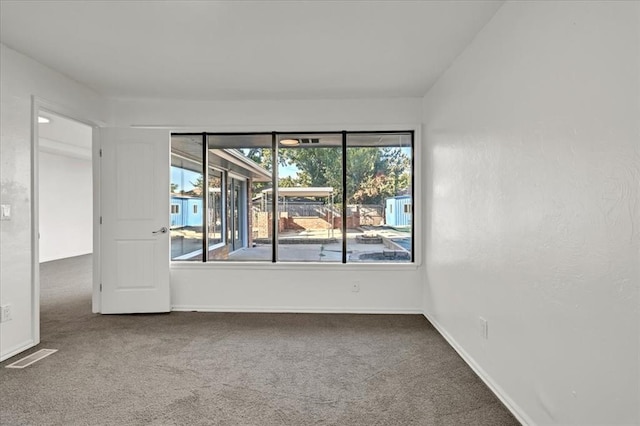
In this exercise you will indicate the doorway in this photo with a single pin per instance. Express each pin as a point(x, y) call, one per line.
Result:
point(63, 215)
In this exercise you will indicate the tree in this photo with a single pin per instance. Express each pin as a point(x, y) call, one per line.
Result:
point(372, 173)
point(262, 157)
point(288, 182)
point(317, 166)
point(198, 187)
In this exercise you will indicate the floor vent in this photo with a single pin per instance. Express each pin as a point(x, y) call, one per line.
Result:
point(30, 359)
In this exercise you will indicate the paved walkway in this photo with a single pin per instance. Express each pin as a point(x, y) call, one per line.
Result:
point(299, 251)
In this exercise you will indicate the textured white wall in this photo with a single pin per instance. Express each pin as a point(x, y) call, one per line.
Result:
point(303, 288)
point(269, 115)
point(533, 155)
point(66, 206)
point(20, 78)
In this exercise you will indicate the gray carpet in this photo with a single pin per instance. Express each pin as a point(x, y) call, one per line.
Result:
point(236, 369)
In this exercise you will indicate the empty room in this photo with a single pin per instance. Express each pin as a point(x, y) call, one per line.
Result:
point(320, 212)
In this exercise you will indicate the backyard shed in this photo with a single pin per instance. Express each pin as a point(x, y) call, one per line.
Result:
point(186, 211)
point(398, 210)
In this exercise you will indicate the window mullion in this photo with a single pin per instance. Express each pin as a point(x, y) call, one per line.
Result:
point(413, 197)
point(344, 196)
point(275, 215)
point(205, 198)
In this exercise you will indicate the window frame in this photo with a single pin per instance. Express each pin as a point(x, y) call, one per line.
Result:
point(223, 219)
point(415, 211)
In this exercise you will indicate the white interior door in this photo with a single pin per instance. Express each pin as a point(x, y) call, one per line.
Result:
point(135, 220)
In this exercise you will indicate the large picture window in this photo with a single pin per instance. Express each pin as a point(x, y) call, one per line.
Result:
point(342, 197)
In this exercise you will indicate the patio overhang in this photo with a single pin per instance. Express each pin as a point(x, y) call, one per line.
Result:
point(235, 161)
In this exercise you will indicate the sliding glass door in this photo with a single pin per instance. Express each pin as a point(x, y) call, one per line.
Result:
point(237, 213)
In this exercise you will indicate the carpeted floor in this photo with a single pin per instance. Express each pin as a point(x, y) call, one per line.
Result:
point(236, 369)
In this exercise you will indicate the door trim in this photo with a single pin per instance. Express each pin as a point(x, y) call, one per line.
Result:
point(40, 104)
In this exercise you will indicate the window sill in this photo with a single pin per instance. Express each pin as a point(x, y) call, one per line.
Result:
point(293, 266)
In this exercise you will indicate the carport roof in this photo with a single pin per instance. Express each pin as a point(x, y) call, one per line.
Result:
point(302, 191)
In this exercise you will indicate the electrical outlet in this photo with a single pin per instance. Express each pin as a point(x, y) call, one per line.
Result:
point(484, 328)
point(5, 212)
point(355, 287)
point(5, 313)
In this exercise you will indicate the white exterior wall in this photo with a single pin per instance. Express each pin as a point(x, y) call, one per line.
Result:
point(20, 78)
point(326, 288)
point(533, 155)
point(66, 206)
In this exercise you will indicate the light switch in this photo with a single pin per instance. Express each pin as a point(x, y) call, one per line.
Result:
point(5, 211)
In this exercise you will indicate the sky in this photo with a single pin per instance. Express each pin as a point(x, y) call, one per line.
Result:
point(183, 178)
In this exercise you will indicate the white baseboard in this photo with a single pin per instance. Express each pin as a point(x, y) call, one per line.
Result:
point(293, 309)
point(17, 349)
point(514, 408)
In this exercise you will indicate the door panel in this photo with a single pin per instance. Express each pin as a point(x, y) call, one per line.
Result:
point(134, 207)
point(135, 261)
point(132, 159)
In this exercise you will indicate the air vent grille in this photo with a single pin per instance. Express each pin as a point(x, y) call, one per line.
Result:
point(30, 359)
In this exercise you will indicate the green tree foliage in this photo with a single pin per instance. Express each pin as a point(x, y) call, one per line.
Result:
point(317, 166)
point(263, 157)
point(288, 182)
point(373, 174)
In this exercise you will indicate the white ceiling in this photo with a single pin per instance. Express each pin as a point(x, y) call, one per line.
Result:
point(246, 49)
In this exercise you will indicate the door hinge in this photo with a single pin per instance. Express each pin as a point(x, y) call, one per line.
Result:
point(100, 286)
point(100, 220)
point(100, 152)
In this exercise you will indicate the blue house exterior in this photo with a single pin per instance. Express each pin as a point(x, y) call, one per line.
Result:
point(186, 211)
point(398, 211)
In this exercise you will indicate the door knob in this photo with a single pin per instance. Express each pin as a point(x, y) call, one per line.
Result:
point(162, 230)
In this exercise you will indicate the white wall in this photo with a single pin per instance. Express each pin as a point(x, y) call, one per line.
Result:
point(66, 206)
point(268, 115)
point(532, 144)
point(267, 287)
point(286, 288)
point(20, 78)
